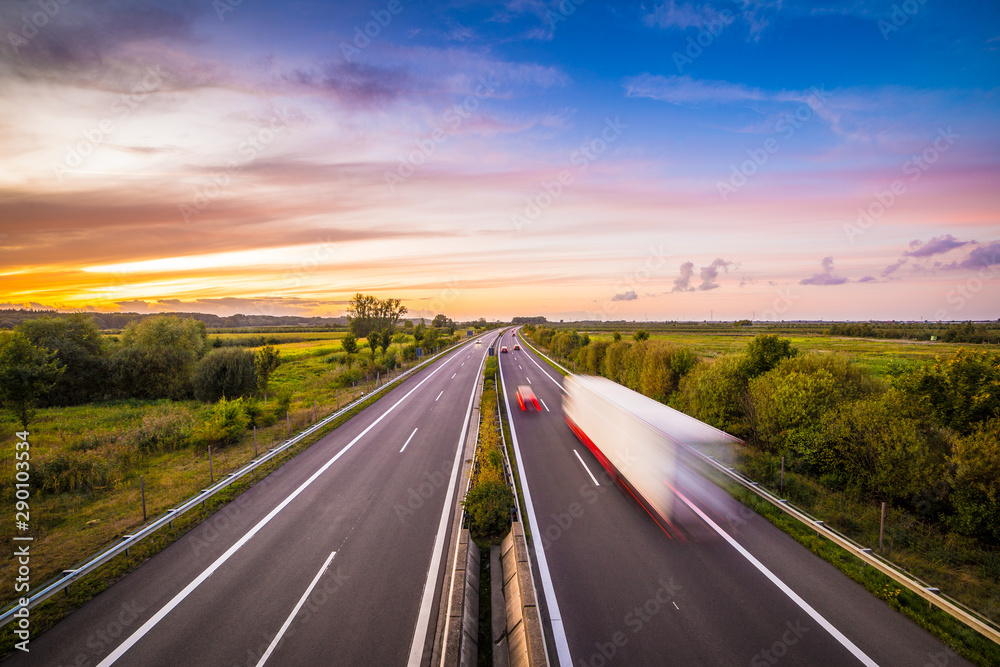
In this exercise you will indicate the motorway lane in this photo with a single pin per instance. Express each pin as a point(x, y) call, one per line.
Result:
point(632, 592)
point(376, 507)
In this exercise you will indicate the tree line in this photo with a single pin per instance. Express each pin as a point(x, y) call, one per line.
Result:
point(926, 439)
point(10, 318)
point(63, 361)
point(958, 332)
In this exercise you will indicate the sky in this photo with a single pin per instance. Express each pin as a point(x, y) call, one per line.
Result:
point(664, 160)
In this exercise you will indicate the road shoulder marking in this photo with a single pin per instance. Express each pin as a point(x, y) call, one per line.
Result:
point(295, 610)
point(579, 458)
point(782, 586)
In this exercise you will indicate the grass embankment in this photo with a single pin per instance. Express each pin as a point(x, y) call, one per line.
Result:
point(87, 461)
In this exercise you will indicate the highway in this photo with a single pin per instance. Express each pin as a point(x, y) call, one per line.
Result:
point(335, 558)
point(719, 586)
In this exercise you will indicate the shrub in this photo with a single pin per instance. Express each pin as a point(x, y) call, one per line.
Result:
point(226, 424)
point(227, 371)
point(489, 505)
point(349, 343)
point(714, 393)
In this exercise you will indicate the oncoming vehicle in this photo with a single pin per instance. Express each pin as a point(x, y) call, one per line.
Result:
point(503, 349)
point(526, 398)
point(479, 342)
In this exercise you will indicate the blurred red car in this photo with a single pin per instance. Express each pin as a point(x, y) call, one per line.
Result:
point(526, 398)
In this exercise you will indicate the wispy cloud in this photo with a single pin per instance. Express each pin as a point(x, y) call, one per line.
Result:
point(682, 283)
point(708, 275)
point(711, 272)
point(684, 90)
point(824, 277)
point(670, 14)
point(936, 246)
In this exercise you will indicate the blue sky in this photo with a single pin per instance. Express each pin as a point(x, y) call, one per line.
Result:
point(652, 160)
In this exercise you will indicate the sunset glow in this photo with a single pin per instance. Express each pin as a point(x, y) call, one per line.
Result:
point(667, 160)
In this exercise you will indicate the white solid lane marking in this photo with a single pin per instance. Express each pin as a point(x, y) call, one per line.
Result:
point(847, 643)
point(424, 615)
point(543, 404)
point(408, 440)
point(555, 616)
point(557, 383)
point(177, 599)
point(439, 396)
point(288, 621)
point(580, 458)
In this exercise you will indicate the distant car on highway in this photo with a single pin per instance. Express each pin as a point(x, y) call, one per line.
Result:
point(479, 342)
point(526, 398)
point(516, 347)
point(503, 349)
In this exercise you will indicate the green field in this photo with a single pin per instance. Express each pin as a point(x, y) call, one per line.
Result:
point(883, 357)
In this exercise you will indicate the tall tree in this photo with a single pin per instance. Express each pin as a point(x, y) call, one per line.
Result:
point(157, 357)
point(80, 347)
point(265, 361)
point(369, 314)
point(385, 339)
point(27, 372)
point(349, 343)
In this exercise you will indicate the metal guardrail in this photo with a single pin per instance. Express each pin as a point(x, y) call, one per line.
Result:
point(126, 542)
point(932, 594)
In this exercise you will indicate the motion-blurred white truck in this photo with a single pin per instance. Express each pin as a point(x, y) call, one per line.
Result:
point(637, 439)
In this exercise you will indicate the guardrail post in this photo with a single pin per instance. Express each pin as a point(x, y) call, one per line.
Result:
point(881, 529)
point(142, 492)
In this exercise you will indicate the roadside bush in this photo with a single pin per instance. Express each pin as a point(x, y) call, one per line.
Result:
point(489, 504)
point(593, 357)
point(74, 471)
point(348, 376)
point(960, 392)
point(151, 372)
point(490, 369)
point(976, 459)
point(225, 426)
point(226, 371)
point(714, 392)
point(869, 446)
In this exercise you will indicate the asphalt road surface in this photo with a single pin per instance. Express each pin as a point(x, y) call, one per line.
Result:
point(622, 589)
point(324, 562)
